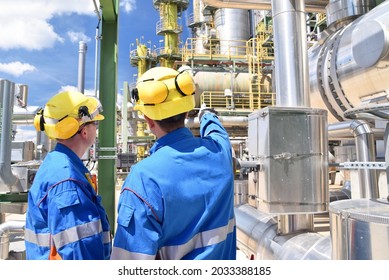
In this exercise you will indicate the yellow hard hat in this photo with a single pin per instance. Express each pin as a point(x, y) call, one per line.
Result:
point(163, 92)
point(65, 112)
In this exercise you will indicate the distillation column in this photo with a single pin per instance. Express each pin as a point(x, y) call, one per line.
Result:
point(168, 27)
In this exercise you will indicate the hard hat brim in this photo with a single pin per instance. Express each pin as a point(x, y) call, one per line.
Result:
point(167, 109)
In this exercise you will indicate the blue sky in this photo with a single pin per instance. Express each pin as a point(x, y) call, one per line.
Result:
point(40, 40)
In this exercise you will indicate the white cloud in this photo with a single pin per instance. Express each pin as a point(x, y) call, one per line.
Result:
point(25, 133)
point(76, 37)
point(16, 68)
point(89, 92)
point(25, 23)
point(128, 5)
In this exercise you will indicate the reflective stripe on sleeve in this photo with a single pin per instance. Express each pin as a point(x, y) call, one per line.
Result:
point(40, 239)
point(122, 254)
point(67, 236)
point(200, 240)
point(76, 233)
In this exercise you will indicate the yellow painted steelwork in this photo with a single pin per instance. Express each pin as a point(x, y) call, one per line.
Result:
point(169, 27)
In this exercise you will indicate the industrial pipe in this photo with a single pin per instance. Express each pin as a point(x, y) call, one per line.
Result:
point(227, 121)
point(81, 66)
point(364, 141)
point(310, 5)
point(351, 65)
point(5, 229)
point(8, 181)
point(24, 115)
point(291, 59)
point(257, 238)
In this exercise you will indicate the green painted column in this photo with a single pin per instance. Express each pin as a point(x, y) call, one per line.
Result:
point(107, 150)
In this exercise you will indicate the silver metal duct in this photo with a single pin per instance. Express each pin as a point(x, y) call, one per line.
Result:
point(290, 48)
point(258, 239)
point(351, 66)
point(346, 10)
point(5, 229)
point(313, 6)
point(8, 181)
point(227, 121)
point(365, 145)
point(24, 115)
point(81, 65)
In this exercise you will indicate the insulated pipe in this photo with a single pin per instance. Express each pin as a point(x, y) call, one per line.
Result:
point(291, 59)
point(81, 66)
point(8, 181)
point(311, 6)
point(5, 229)
point(364, 141)
point(227, 121)
point(257, 238)
point(211, 80)
point(24, 115)
point(344, 134)
point(351, 65)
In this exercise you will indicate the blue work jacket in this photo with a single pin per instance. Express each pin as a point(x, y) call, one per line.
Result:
point(178, 203)
point(65, 216)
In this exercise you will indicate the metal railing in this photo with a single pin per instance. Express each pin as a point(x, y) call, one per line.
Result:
point(244, 101)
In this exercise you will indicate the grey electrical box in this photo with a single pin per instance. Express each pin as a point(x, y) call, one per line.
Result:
point(290, 144)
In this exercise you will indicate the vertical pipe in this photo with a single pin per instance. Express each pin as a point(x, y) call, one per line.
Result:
point(125, 118)
point(81, 66)
point(107, 128)
point(97, 59)
point(291, 58)
point(7, 178)
point(364, 142)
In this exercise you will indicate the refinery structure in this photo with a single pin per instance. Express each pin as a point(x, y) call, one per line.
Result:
point(302, 89)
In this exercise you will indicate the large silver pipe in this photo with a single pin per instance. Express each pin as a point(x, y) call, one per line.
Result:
point(345, 134)
point(211, 81)
point(24, 115)
point(258, 238)
point(220, 80)
point(8, 181)
point(312, 6)
point(5, 229)
point(81, 66)
point(227, 121)
point(290, 47)
point(351, 65)
point(365, 148)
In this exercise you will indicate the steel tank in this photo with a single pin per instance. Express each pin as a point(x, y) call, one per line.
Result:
point(233, 28)
point(211, 80)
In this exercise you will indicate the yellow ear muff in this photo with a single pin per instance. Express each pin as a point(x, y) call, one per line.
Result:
point(39, 121)
point(66, 128)
point(152, 92)
point(184, 83)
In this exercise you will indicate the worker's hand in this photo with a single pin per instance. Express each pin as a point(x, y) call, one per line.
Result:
point(204, 109)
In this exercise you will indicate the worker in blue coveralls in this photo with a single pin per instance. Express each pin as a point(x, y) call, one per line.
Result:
point(178, 202)
point(65, 218)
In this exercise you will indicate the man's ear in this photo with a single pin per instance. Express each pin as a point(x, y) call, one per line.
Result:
point(149, 121)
